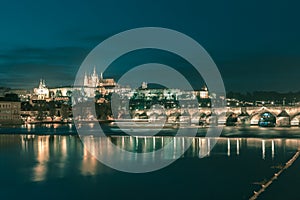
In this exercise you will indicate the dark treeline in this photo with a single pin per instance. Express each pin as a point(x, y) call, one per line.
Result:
point(265, 96)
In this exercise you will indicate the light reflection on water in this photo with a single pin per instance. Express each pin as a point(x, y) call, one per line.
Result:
point(48, 160)
point(61, 163)
point(53, 156)
point(55, 152)
point(42, 157)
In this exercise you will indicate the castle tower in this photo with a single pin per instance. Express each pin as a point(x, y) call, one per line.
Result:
point(86, 80)
point(144, 85)
point(41, 83)
point(204, 93)
point(94, 78)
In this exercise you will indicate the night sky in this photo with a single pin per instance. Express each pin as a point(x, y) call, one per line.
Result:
point(255, 44)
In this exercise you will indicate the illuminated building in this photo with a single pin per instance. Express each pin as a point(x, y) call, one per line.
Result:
point(61, 91)
point(204, 93)
point(10, 111)
point(42, 92)
point(93, 82)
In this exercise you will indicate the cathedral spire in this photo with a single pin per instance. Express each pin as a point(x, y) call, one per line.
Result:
point(85, 80)
point(101, 76)
point(41, 83)
point(94, 71)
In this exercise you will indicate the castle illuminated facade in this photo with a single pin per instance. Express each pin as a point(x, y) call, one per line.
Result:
point(93, 82)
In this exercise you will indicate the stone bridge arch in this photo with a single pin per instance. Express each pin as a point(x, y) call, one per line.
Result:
point(255, 116)
point(231, 118)
point(295, 119)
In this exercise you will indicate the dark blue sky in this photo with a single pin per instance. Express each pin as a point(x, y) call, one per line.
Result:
point(255, 44)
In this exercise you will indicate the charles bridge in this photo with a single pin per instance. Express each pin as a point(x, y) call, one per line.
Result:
point(284, 115)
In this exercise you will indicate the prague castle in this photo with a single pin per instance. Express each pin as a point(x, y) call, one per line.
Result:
point(93, 82)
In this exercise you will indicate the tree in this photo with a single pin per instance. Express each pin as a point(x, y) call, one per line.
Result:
point(64, 111)
point(69, 93)
point(41, 107)
point(52, 109)
point(58, 93)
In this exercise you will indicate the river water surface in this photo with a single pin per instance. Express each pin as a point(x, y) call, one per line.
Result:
point(51, 163)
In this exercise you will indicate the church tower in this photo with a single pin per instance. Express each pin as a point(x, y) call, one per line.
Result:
point(42, 91)
point(86, 80)
point(95, 78)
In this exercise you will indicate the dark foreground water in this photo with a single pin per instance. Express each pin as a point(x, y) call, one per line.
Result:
point(58, 167)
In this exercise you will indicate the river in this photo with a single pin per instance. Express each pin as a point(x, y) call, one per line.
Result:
point(51, 163)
